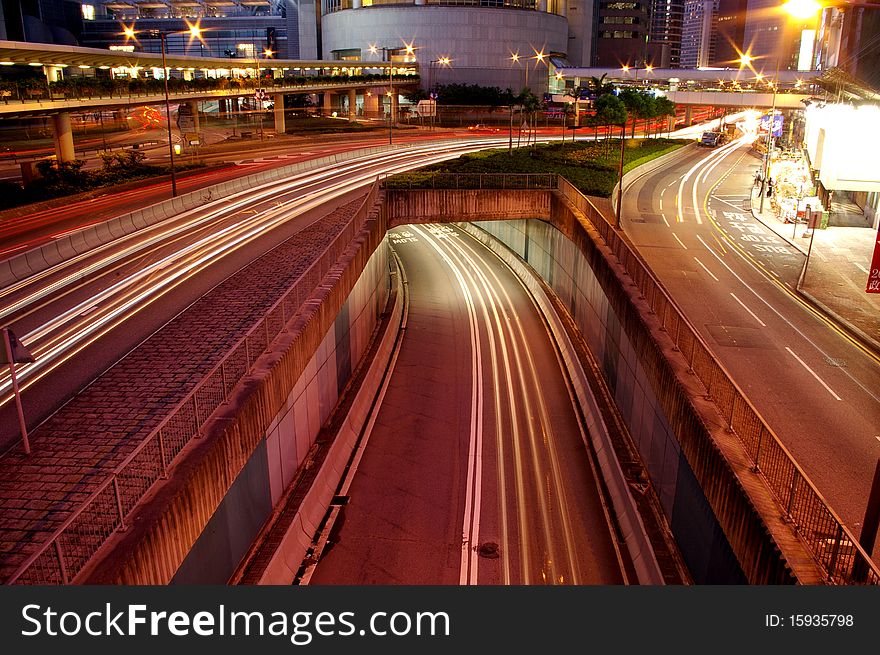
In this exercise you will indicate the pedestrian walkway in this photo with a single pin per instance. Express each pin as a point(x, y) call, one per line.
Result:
point(78, 448)
point(836, 273)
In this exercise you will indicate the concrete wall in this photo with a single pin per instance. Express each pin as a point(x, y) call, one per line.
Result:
point(196, 526)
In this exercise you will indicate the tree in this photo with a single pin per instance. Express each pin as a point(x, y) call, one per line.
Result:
point(637, 105)
point(415, 95)
point(663, 107)
point(598, 87)
point(609, 110)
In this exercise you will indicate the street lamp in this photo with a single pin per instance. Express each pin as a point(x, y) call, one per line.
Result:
point(443, 61)
point(194, 32)
point(387, 54)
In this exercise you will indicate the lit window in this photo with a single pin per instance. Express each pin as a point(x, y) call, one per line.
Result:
point(88, 12)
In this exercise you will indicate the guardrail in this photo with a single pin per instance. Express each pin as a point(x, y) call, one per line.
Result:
point(511, 181)
point(74, 543)
point(23, 100)
point(832, 545)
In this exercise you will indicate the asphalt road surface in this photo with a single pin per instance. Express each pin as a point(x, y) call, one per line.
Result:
point(476, 470)
point(735, 280)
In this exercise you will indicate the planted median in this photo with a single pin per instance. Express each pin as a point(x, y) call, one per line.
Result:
point(590, 165)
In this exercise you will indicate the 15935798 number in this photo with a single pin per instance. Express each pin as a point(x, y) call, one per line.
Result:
point(820, 620)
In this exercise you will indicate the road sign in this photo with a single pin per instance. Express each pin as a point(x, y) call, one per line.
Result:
point(20, 354)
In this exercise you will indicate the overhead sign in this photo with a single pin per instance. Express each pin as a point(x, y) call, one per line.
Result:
point(874, 274)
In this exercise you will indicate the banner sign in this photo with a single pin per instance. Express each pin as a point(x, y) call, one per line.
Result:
point(874, 274)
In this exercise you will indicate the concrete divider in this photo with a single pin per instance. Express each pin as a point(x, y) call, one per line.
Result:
point(283, 565)
point(648, 167)
point(625, 509)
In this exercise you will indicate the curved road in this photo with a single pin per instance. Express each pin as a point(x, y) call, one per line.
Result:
point(476, 470)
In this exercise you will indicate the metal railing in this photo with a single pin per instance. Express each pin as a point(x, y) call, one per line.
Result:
point(832, 545)
point(64, 554)
point(511, 181)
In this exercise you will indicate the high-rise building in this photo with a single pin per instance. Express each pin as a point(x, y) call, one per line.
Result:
point(244, 29)
point(622, 29)
point(40, 21)
point(729, 34)
point(665, 32)
point(697, 33)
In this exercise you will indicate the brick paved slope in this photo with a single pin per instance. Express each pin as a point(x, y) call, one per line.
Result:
point(77, 448)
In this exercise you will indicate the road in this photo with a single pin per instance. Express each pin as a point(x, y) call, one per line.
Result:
point(735, 281)
point(80, 316)
point(476, 470)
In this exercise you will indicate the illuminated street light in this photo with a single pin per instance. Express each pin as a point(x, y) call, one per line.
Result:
point(195, 32)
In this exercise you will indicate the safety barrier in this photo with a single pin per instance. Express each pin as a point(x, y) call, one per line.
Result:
point(832, 545)
point(72, 545)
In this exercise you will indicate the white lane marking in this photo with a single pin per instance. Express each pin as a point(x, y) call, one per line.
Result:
point(679, 240)
point(861, 268)
point(763, 324)
point(706, 269)
point(473, 494)
point(661, 203)
point(813, 373)
point(663, 216)
point(794, 327)
point(662, 191)
point(739, 206)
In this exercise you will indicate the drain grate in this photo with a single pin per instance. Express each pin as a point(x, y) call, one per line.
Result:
point(839, 363)
point(489, 550)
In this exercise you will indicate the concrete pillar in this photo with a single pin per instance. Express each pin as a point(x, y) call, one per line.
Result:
point(542, 5)
point(280, 127)
point(371, 105)
point(194, 108)
point(63, 137)
point(352, 104)
point(562, 7)
point(222, 107)
point(670, 123)
point(53, 73)
point(394, 108)
point(327, 107)
point(688, 116)
point(356, 4)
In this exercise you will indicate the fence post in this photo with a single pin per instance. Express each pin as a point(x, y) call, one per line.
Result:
point(792, 490)
point(198, 430)
point(62, 567)
point(224, 379)
point(756, 468)
point(832, 564)
point(162, 454)
point(121, 527)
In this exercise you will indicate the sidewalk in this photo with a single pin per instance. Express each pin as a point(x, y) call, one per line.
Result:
point(837, 271)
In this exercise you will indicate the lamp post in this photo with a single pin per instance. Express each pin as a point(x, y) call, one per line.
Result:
point(194, 32)
point(443, 61)
point(387, 57)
